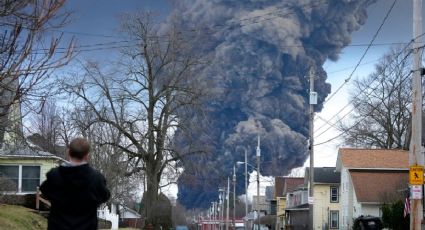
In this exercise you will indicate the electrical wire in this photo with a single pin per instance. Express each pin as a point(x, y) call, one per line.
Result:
point(360, 93)
point(93, 47)
point(105, 46)
point(366, 88)
point(360, 120)
point(364, 53)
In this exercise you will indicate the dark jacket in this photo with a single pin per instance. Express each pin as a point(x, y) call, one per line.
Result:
point(75, 193)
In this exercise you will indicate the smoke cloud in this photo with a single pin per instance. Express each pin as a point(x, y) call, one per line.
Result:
point(260, 54)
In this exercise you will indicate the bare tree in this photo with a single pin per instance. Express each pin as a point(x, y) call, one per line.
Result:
point(141, 101)
point(108, 158)
point(381, 115)
point(45, 128)
point(29, 52)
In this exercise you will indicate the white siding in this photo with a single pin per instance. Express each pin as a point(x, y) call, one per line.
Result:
point(346, 199)
point(371, 209)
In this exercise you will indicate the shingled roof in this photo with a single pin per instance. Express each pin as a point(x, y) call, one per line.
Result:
point(373, 158)
point(26, 153)
point(325, 175)
point(374, 185)
point(284, 185)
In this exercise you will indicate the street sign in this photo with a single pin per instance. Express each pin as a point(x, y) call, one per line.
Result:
point(416, 175)
point(416, 192)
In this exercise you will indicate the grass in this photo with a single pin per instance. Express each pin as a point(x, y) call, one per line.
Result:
point(20, 218)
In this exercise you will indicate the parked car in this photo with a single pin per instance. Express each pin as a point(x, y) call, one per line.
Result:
point(182, 227)
point(262, 227)
point(367, 223)
point(239, 226)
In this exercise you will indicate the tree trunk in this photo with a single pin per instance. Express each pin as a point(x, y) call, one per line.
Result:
point(150, 197)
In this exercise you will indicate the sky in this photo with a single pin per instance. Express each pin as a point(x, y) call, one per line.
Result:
point(397, 28)
point(95, 24)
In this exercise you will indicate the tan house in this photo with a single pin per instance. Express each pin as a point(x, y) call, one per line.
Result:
point(326, 207)
point(369, 178)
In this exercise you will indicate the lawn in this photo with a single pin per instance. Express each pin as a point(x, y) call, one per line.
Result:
point(20, 218)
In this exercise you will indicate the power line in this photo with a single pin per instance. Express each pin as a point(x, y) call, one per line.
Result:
point(226, 26)
point(361, 92)
point(221, 27)
point(358, 122)
point(127, 44)
point(364, 54)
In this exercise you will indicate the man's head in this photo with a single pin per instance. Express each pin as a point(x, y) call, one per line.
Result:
point(79, 149)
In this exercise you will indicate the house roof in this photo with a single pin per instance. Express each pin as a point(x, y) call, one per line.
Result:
point(284, 185)
point(372, 158)
point(376, 185)
point(324, 175)
point(278, 186)
point(26, 153)
point(136, 214)
point(301, 207)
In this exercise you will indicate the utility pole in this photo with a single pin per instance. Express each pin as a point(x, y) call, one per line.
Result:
point(313, 101)
point(222, 193)
point(258, 181)
point(234, 196)
point(246, 189)
point(227, 198)
point(415, 156)
point(213, 215)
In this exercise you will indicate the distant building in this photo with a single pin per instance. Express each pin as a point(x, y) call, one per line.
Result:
point(369, 178)
point(284, 185)
point(297, 209)
point(263, 206)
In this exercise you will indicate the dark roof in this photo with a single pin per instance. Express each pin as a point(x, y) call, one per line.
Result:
point(325, 175)
point(300, 207)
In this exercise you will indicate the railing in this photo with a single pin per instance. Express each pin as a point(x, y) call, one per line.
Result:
point(39, 198)
point(107, 215)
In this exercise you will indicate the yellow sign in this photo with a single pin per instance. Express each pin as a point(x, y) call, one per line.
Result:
point(416, 175)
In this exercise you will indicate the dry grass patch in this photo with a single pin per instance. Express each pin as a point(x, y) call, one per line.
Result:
point(20, 218)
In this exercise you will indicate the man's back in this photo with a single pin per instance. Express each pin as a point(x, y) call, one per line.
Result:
point(75, 193)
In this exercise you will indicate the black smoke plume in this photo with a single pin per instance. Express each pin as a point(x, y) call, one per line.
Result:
point(260, 53)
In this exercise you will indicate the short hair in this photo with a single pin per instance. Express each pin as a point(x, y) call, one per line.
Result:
point(79, 148)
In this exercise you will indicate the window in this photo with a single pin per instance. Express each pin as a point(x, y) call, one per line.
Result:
point(334, 219)
point(23, 178)
point(30, 178)
point(9, 177)
point(334, 195)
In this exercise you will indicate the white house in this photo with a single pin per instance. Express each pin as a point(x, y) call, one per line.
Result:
point(369, 178)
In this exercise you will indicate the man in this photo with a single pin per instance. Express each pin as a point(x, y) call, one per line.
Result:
point(75, 191)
